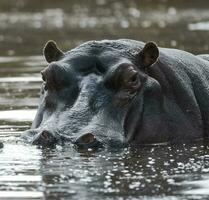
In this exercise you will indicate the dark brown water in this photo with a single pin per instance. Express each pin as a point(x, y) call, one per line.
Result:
point(27, 172)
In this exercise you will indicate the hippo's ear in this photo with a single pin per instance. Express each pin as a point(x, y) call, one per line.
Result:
point(148, 55)
point(52, 52)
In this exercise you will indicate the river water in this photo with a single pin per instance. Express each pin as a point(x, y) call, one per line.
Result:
point(150, 172)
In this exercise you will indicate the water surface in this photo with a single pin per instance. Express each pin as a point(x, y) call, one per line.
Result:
point(152, 172)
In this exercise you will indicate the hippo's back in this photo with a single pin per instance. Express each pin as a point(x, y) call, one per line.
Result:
point(204, 56)
point(188, 78)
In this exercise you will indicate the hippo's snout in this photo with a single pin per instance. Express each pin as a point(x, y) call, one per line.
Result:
point(88, 140)
point(43, 138)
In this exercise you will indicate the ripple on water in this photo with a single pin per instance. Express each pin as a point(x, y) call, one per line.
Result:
point(18, 115)
point(19, 79)
point(19, 172)
point(21, 195)
point(200, 26)
point(197, 187)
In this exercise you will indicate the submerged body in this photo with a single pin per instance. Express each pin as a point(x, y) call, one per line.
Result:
point(115, 92)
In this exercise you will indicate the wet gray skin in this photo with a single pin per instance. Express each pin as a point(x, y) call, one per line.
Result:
point(120, 92)
point(85, 96)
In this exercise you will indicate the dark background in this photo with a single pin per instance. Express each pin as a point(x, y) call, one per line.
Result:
point(26, 25)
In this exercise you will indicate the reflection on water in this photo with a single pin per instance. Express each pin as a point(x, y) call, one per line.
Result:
point(169, 23)
point(63, 172)
point(17, 115)
point(19, 177)
point(201, 26)
point(200, 187)
point(29, 172)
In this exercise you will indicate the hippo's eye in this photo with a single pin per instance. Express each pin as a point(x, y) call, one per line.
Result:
point(129, 77)
point(133, 78)
point(125, 76)
point(100, 68)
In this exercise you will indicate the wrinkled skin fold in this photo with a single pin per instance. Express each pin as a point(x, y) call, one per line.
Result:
point(118, 92)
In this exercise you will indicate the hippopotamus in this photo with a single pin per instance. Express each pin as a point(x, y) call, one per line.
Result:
point(119, 92)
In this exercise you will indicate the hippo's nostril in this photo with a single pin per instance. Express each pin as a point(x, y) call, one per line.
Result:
point(45, 138)
point(46, 135)
point(88, 140)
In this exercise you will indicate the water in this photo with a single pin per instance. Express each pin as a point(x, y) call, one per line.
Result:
point(151, 172)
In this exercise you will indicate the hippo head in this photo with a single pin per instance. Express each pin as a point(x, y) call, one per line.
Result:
point(93, 94)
